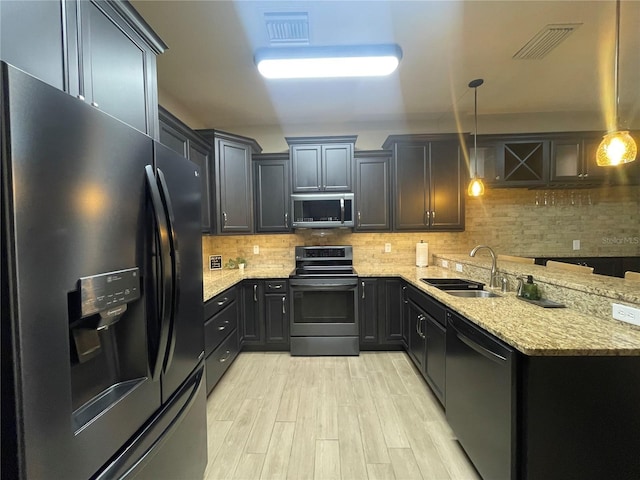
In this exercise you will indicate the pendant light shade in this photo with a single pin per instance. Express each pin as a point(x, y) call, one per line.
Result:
point(617, 147)
point(476, 186)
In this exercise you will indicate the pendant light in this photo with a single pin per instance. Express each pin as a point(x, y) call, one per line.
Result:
point(617, 147)
point(476, 187)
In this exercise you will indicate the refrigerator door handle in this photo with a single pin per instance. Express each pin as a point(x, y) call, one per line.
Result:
point(165, 263)
point(175, 270)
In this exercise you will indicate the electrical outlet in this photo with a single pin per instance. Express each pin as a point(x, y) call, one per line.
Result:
point(256, 249)
point(576, 244)
point(626, 314)
point(387, 248)
point(445, 263)
point(458, 267)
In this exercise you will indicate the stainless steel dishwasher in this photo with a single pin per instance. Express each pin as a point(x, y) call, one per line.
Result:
point(481, 397)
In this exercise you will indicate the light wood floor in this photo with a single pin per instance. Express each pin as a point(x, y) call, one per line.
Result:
point(366, 417)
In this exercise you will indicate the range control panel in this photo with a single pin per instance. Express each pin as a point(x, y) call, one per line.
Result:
point(109, 290)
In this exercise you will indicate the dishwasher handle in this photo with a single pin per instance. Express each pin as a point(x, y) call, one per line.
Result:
point(485, 352)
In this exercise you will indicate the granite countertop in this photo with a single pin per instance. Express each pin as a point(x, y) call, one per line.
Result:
point(530, 329)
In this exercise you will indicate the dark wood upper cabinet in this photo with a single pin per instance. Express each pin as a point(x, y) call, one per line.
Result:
point(373, 190)
point(429, 177)
point(271, 190)
point(100, 51)
point(321, 164)
point(179, 137)
point(234, 180)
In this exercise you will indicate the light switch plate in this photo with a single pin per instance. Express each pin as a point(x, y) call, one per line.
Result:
point(458, 267)
point(256, 249)
point(387, 248)
point(576, 244)
point(445, 264)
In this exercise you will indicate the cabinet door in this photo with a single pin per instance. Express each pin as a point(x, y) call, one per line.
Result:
point(410, 164)
point(524, 162)
point(115, 66)
point(336, 167)
point(233, 184)
point(174, 139)
point(373, 194)
point(276, 320)
point(447, 173)
point(368, 311)
point(416, 332)
point(32, 39)
point(435, 356)
point(393, 308)
point(201, 156)
point(252, 313)
point(272, 195)
point(405, 317)
point(306, 166)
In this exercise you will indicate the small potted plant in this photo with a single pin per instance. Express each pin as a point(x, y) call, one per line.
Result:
point(241, 262)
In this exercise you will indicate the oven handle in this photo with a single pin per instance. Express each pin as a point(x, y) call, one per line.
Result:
point(327, 287)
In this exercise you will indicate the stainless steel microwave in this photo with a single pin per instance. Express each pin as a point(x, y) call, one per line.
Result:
point(322, 210)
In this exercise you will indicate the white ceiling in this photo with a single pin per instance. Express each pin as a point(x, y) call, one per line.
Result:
point(209, 68)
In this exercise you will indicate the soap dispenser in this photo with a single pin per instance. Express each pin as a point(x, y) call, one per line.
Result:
point(530, 289)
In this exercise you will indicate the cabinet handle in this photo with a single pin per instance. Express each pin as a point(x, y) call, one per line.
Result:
point(418, 325)
point(284, 301)
point(433, 216)
point(404, 295)
point(342, 210)
point(224, 219)
point(94, 104)
point(363, 290)
point(224, 359)
point(585, 175)
point(275, 287)
point(223, 301)
point(286, 220)
point(497, 177)
point(81, 97)
point(222, 327)
point(428, 216)
point(359, 219)
point(255, 292)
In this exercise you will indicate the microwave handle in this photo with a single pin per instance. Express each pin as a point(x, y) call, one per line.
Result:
point(342, 210)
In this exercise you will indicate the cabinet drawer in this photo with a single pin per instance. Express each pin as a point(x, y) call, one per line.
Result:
point(219, 326)
point(218, 362)
point(434, 308)
point(275, 286)
point(218, 302)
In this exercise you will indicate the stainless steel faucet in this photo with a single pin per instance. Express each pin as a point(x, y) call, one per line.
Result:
point(493, 281)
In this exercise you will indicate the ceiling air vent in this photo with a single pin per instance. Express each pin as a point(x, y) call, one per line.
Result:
point(545, 40)
point(290, 28)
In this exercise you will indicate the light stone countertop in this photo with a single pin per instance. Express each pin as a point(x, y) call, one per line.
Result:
point(532, 330)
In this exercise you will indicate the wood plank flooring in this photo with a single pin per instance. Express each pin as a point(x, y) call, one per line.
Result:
point(273, 416)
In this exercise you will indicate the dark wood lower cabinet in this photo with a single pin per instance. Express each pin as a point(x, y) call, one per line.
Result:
point(265, 315)
point(380, 313)
point(221, 344)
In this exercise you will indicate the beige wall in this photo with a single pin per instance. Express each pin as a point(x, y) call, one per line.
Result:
point(506, 219)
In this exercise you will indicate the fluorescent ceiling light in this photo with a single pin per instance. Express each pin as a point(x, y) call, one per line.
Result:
point(326, 62)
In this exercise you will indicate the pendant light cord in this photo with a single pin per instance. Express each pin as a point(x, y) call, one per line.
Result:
point(475, 135)
point(616, 66)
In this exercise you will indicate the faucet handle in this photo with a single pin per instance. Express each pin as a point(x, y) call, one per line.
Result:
point(505, 284)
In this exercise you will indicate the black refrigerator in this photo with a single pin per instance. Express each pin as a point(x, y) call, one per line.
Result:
point(102, 323)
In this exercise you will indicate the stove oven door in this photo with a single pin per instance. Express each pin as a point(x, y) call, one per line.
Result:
point(324, 307)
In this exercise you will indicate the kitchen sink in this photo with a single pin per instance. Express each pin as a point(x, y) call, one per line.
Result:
point(453, 283)
point(472, 293)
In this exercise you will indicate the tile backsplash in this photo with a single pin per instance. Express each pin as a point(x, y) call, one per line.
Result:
point(605, 220)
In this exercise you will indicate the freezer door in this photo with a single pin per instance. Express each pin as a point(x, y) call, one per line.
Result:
point(173, 445)
point(74, 208)
point(179, 184)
